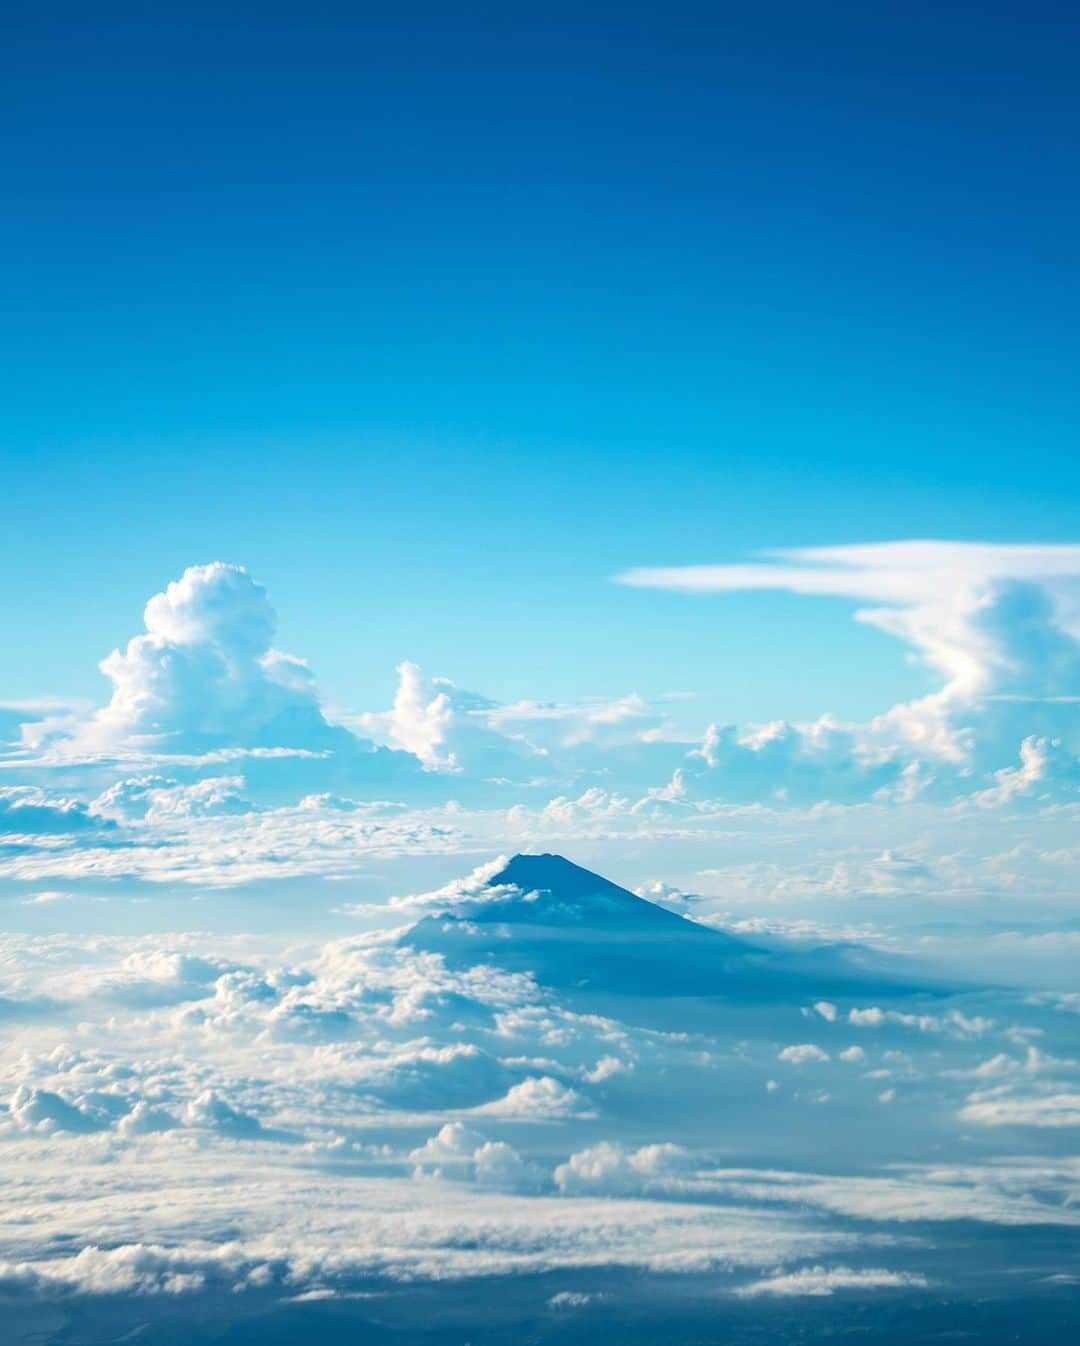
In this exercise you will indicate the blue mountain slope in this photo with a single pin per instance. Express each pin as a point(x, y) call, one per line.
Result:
point(574, 929)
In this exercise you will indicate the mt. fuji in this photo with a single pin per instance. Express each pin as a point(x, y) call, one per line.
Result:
point(576, 930)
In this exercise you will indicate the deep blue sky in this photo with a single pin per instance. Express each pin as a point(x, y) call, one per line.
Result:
point(436, 317)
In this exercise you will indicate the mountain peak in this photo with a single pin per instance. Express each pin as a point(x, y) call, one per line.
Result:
point(548, 872)
point(555, 891)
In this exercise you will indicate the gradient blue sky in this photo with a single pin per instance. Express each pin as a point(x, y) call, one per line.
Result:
point(436, 319)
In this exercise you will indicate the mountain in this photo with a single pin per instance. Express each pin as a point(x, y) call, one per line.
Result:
point(574, 929)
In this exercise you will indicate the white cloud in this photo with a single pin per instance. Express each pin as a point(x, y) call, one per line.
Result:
point(538, 1099)
point(827, 1280)
point(205, 672)
point(1007, 1108)
point(155, 799)
point(952, 1021)
point(453, 730)
point(46, 896)
point(612, 1168)
point(999, 624)
point(29, 810)
point(569, 1299)
point(803, 1053)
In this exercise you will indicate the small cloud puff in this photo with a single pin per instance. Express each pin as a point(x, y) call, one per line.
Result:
point(802, 1054)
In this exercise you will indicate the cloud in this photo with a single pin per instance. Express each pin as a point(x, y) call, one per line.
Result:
point(215, 1113)
point(205, 673)
point(460, 732)
point(30, 810)
point(820, 1281)
point(459, 1152)
point(202, 835)
point(569, 1299)
point(998, 624)
point(981, 614)
point(537, 1099)
point(41, 1110)
point(953, 1021)
point(1003, 1107)
point(802, 1054)
point(613, 1169)
point(129, 1269)
point(46, 896)
point(203, 683)
point(261, 1114)
point(158, 798)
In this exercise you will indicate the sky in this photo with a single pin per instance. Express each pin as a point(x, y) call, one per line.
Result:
point(436, 322)
point(638, 434)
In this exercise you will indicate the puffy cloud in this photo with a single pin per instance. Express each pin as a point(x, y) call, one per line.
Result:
point(457, 1151)
point(454, 1143)
point(125, 1270)
point(205, 672)
point(537, 1099)
point(41, 1110)
point(612, 1168)
point(145, 1120)
point(158, 798)
point(215, 1113)
point(1047, 769)
point(802, 1054)
point(204, 682)
point(457, 731)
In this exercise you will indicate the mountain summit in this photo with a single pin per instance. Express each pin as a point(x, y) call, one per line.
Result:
point(550, 890)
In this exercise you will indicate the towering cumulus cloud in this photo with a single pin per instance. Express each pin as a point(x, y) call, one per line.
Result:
point(205, 672)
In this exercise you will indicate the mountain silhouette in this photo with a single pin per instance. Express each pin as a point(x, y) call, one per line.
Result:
point(571, 928)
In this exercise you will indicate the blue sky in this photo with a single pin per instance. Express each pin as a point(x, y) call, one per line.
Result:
point(437, 322)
